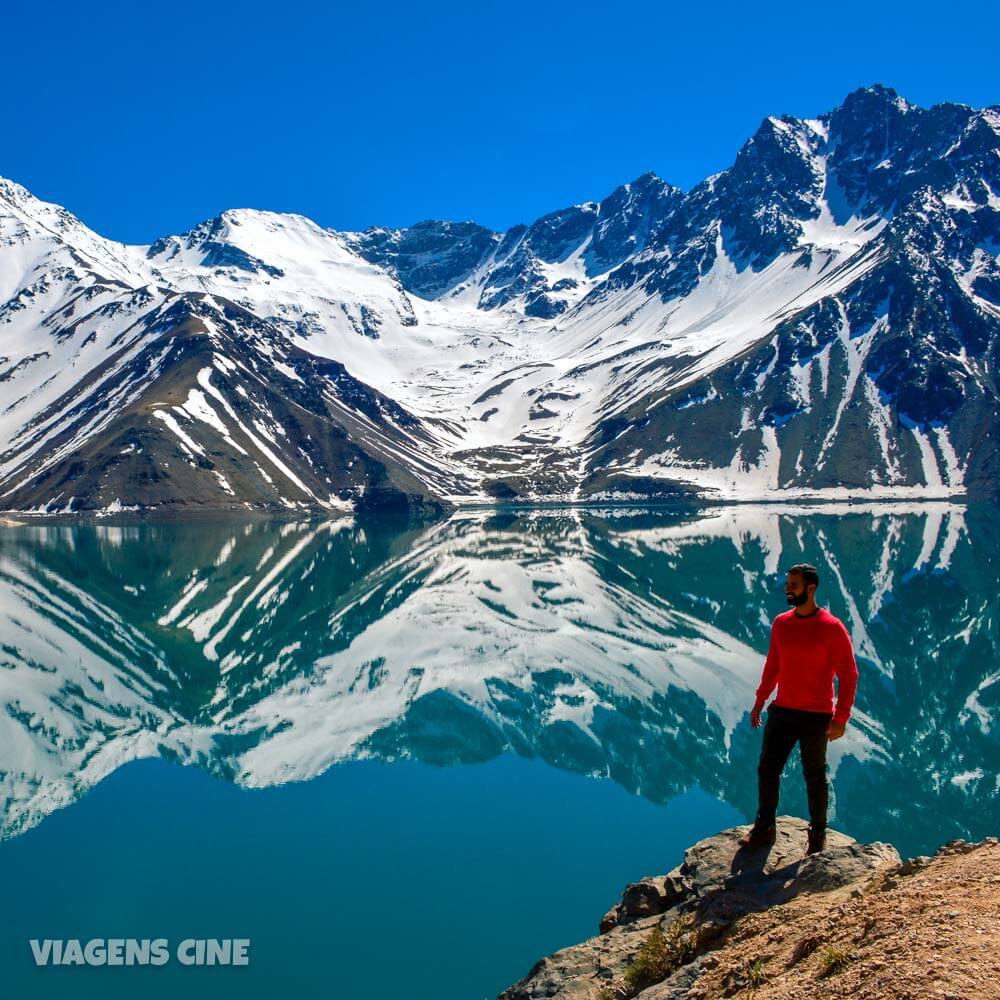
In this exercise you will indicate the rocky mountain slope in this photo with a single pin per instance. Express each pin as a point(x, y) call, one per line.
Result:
point(819, 319)
point(851, 921)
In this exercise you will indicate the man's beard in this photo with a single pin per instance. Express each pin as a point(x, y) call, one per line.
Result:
point(798, 601)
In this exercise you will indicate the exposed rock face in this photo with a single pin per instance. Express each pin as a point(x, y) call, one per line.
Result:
point(695, 905)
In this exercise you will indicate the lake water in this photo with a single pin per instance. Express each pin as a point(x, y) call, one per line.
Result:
point(408, 760)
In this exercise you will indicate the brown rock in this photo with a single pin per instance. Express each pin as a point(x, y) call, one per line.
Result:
point(715, 885)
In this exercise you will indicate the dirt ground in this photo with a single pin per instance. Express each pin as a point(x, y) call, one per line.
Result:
point(932, 933)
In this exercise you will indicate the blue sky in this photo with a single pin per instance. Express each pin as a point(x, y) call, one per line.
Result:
point(144, 121)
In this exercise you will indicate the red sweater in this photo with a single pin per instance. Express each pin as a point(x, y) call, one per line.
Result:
point(804, 655)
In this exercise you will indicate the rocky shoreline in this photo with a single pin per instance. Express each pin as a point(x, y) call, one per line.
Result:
point(852, 920)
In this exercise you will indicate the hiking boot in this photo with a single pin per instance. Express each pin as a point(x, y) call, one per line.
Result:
point(759, 836)
point(816, 840)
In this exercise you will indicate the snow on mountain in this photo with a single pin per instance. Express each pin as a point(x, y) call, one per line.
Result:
point(820, 319)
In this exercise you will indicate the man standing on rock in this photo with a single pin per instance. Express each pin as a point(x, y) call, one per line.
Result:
point(808, 647)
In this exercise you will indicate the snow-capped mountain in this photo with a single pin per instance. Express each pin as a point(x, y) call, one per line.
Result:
point(820, 319)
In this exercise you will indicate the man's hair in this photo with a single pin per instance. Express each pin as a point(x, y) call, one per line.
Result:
point(808, 572)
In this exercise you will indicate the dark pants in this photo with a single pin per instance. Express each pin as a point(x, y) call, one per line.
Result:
point(784, 728)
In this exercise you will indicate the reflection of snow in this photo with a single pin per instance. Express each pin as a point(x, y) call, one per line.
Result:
point(557, 615)
point(974, 707)
point(966, 776)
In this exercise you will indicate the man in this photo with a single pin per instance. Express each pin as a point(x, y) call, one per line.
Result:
point(808, 647)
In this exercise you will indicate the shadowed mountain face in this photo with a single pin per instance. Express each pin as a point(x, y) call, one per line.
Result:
point(821, 318)
point(625, 645)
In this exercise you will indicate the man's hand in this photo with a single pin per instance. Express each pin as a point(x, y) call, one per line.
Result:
point(835, 730)
point(755, 716)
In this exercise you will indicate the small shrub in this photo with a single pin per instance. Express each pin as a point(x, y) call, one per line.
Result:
point(681, 941)
point(660, 954)
point(755, 973)
point(833, 960)
point(651, 965)
point(617, 989)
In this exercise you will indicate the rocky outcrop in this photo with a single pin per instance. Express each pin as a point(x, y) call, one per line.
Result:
point(664, 934)
point(853, 920)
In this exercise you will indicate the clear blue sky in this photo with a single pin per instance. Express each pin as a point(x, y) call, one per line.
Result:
point(143, 121)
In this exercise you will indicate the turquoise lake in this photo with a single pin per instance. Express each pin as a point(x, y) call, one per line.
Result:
point(406, 760)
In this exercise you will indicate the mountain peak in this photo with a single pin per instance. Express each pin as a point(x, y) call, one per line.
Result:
point(261, 216)
point(648, 184)
point(860, 242)
point(865, 100)
point(14, 193)
point(647, 179)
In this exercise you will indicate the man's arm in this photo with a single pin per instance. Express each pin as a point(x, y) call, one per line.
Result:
point(846, 669)
point(769, 678)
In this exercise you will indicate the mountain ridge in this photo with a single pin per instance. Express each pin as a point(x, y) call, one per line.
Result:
point(820, 319)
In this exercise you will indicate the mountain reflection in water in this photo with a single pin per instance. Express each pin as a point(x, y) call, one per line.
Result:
point(622, 643)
